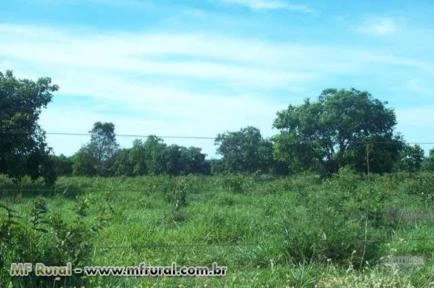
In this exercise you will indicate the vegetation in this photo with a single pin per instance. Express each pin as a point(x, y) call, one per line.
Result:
point(430, 161)
point(297, 231)
point(325, 203)
point(23, 150)
point(97, 158)
point(245, 151)
point(343, 128)
point(333, 132)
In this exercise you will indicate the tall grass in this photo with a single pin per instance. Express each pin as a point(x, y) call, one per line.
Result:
point(299, 231)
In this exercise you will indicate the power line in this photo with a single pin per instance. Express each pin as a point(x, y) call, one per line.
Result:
point(84, 134)
point(117, 135)
point(134, 135)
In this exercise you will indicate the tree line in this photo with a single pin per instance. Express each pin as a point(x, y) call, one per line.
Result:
point(341, 128)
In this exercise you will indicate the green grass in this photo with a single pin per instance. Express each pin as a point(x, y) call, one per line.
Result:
point(271, 232)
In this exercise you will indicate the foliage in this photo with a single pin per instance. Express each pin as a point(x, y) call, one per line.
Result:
point(62, 165)
point(97, 157)
point(184, 161)
point(236, 183)
point(341, 223)
point(23, 150)
point(103, 144)
point(430, 161)
point(326, 135)
point(84, 163)
point(47, 239)
point(245, 151)
point(124, 166)
point(412, 158)
point(300, 231)
point(154, 157)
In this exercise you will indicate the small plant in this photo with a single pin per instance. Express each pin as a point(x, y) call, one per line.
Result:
point(7, 222)
point(38, 215)
point(82, 207)
point(176, 190)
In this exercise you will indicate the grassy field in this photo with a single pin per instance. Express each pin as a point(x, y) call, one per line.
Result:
point(299, 231)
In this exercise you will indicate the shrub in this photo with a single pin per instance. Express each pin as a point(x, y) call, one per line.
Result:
point(236, 183)
point(176, 189)
point(421, 184)
point(322, 235)
point(46, 239)
point(342, 222)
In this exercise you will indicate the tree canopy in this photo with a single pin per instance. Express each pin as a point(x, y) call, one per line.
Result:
point(412, 158)
point(430, 161)
point(341, 128)
point(244, 150)
point(154, 157)
point(23, 150)
point(335, 131)
point(97, 157)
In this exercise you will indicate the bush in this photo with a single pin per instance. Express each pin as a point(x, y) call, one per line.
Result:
point(236, 183)
point(322, 235)
point(45, 239)
point(177, 189)
point(342, 222)
point(421, 184)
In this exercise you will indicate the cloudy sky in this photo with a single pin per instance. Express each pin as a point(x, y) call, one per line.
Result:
point(202, 67)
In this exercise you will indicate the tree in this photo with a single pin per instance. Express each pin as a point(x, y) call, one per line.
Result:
point(430, 161)
point(137, 156)
point(22, 141)
point(412, 158)
point(175, 164)
point(103, 144)
point(62, 165)
point(97, 157)
point(195, 161)
point(182, 161)
point(244, 151)
point(344, 127)
point(155, 155)
point(123, 166)
point(85, 164)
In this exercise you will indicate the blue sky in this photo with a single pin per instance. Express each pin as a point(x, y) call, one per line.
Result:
point(202, 67)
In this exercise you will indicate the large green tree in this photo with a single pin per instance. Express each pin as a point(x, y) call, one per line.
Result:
point(155, 155)
point(244, 151)
point(97, 157)
point(195, 162)
point(344, 127)
point(23, 150)
point(182, 161)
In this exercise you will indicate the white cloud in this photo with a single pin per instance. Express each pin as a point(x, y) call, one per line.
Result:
point(379, 26)
point(272, 5)
point(141, 53)
point(245, 61)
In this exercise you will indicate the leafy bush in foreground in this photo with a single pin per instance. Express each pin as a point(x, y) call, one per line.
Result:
point(46, 239)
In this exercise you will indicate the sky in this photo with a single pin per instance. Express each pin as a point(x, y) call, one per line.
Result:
point(203, 67)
